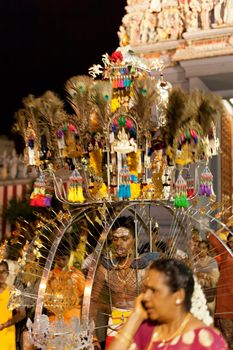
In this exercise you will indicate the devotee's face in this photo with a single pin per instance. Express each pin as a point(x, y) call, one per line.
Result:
point(203, 250)
point(158, 300)
point(3, 274)
point(230, 243)
point(62, 261)
point(123, 241)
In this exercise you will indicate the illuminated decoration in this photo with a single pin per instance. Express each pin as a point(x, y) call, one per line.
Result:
point(47, 334)
point(131, 111)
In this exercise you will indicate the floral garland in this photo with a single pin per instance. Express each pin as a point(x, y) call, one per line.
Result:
point(199, 307)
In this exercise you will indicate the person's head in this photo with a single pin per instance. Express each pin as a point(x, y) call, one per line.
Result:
point(168, 288)
point(123, 235)
point(62, 261)
point(161, 247)
point(63, 254)
point(195, 234)
point(203, 248)
point(230, 241)
point(4, 271)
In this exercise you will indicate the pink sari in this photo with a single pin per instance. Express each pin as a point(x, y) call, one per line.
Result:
point(205, 338)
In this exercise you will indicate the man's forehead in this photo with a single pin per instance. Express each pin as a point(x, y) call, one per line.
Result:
point(121, 232)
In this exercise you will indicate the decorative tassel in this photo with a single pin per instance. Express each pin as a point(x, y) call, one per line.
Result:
point(135, 189)
point(190, 185)
point(124, 183)
point(80, 196)
point(206, 183)
point(180, 198)
point(75, 190)
point(42, 193)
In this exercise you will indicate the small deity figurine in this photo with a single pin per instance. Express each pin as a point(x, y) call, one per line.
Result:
point(22, 169)
point(192, 16)
point(155, 5)
point(170, 24)
point(157, 171)
point(30, 137)
point(218, 5)
point(131, 22)
point(124, 145)
point(228, 12)
point(13, 162)
point(147, 28)
point(206, 7)
point(123, 36)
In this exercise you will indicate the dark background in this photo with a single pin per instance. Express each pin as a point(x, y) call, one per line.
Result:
point(43, 43)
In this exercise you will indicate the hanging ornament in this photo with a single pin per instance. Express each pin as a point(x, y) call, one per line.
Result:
point(75, 189)
point(124, 191)
point(206, 183)
point(42, 193)
point(190, 185)
point(31, 139)
point(181, 200)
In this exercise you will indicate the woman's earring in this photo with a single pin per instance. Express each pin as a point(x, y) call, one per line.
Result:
point(178, 301)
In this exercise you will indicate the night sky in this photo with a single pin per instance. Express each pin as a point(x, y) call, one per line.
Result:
point(43, 43)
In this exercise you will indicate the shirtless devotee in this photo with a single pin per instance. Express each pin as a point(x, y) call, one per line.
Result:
point(121, 274)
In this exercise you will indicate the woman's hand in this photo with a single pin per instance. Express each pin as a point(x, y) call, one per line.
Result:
point(139, 309)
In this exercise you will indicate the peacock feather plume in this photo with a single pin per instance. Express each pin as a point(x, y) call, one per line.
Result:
point(144, 94)
point(78, 90)
point(174, 112)
point(207, 108)
point(100, 100)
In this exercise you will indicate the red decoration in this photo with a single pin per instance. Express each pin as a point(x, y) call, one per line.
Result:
point(116, 56)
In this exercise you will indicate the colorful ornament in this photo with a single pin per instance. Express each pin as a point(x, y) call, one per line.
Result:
point(190, 185)
point(75, 190)
point(42, 193)
point(124, 183)
point(181, 200)
point(206, 183)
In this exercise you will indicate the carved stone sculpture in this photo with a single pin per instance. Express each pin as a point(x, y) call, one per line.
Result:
point(218, 7)
point(155, 5)
point(206, 7)
point(228, 12)
point(147, 28)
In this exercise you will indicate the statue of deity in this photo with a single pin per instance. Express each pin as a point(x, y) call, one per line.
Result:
point(192, 16)
point(155, 5)
point(228, 12)
point(218, 7)
point(206, 7)
point(124, 144)
point(147, 28)
point(131, 22)
point(123, 36)
point(170, 24)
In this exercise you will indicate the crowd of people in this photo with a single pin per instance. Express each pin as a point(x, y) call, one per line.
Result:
point(141, 299)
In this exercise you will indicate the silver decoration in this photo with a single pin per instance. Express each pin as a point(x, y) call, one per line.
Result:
point(47, 334)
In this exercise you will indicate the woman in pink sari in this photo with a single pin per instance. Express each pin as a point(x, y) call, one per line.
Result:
point(162, 320)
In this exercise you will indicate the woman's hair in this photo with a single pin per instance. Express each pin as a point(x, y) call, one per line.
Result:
point(178, 276)
point(5, 264)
